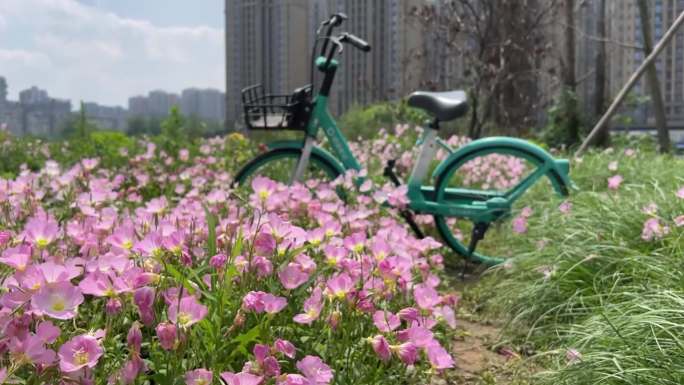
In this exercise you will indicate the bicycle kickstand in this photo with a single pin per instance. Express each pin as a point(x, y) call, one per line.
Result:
point(478, 233)
point(407, 214)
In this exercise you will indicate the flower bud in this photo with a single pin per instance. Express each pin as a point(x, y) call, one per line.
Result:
point(134, 337)
point(166, 332)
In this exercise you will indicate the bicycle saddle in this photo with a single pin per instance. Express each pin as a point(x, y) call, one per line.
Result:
point(444, 106)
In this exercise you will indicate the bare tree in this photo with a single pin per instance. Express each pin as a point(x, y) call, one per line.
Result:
point(603, 137)
point(652, 79)
point(504, 46)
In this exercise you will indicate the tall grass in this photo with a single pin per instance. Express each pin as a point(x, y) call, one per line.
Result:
point(587, 280)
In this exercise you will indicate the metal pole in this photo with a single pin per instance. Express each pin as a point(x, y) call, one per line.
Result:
point(632, 81)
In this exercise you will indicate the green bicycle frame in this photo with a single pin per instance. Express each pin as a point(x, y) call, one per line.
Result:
point(476, 205)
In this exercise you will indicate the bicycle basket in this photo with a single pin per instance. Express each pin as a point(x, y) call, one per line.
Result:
point(276, 112)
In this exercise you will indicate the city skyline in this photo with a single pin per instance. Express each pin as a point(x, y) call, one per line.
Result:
point(106, 50)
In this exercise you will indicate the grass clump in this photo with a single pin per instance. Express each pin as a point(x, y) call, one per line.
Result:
point(603, 280)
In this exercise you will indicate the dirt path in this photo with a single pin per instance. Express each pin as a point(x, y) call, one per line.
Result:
point(480, 357)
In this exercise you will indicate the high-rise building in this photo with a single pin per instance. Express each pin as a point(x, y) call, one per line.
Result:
point(625, 28)
point(207, 104)
point(270, 42)
point(267, 42)
point(110, 118)
point(160, 102)
point(156, 104)
point(390, 70)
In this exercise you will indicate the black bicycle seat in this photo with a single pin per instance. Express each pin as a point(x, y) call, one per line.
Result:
point(444, 106)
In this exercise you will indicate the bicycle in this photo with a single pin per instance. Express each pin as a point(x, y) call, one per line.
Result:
point(307, 112)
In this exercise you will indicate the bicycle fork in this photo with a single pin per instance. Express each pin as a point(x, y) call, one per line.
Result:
point(303, 160)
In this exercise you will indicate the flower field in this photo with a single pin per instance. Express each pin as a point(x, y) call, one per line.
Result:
point(156, 272)
point(139, 264)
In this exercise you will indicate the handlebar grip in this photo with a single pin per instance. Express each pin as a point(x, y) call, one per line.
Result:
point(356, 42)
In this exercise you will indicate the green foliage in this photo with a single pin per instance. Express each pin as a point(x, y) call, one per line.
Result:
point(594, 284)
point(138, 126)
point(365, 122)
point(564, 121)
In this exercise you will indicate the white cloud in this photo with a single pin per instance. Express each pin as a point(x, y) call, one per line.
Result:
point(82, 53)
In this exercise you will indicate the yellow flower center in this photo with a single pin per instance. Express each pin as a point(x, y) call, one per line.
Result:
point(109, 293)
point(340, 294)
point(329, 233)
point(184, 318)
point(358, 247)
point(127, 245)
point(58, 305)
point(264, 194)
point(201, 381)
point(42, 242)
point(81, 358)
point(312, 313)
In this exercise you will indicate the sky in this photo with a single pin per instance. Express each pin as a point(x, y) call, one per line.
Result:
point(108, 50)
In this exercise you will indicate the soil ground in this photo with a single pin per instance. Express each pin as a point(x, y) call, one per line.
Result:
point(481, 358)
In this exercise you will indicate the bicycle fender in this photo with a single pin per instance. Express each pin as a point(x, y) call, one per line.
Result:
point(559, 169)
point(316, 151)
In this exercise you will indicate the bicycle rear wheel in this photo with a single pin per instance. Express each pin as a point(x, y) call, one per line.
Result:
point(487, 173)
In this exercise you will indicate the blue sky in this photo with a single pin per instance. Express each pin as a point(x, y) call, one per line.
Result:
point(108, 50)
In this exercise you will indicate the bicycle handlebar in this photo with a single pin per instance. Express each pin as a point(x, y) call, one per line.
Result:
point(355, 41)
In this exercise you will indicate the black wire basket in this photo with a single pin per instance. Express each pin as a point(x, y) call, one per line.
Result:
point(276, 112)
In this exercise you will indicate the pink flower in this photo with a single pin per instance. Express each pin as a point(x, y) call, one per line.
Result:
point(572, 356)
point(381, 347)
point(407, 352)
point(385, 321)
point(679, 221)
point(317, 372)
point(426, 297)
point(339, 286)
point(132, 369)
point(263, 188)
point(134, 337)
point(653, 229)
point(58, 301)
point(166, 332)
point(565, 207)
point(312, 308)
point(241, 378)
point(292, 276)
point(614, 182)
point(41, 231)
point(32, 348)
point(293, 379)
point(439, 357)
point(198, 377)
point(188, 312)
point(285, 347)
point(79, 352)
point(259, 302)
point(520, 224)
point(17, 258)
point(680, 193)
point(218, 261)
point(47, 332)
point(144, 300)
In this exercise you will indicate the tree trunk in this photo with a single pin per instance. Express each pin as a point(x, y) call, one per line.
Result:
point(603, 137)
point(569, 77)
point(652, 80)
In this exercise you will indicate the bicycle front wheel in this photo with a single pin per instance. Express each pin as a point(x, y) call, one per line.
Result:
point(279, 165)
